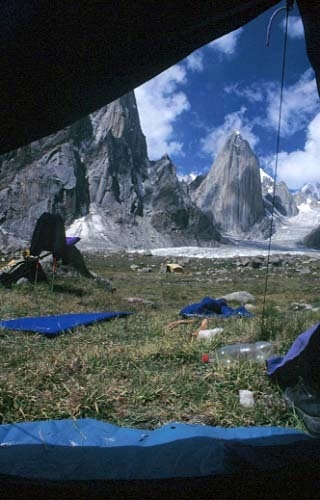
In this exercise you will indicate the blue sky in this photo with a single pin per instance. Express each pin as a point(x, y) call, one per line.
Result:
point(232, 83)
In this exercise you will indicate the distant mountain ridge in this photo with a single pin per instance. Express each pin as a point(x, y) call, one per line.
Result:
point(97, 175)
point(277, 196)
point(309, 193)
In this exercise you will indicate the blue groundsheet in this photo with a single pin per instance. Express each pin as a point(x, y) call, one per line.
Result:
point(53, 325)
point(88, 449)
point(209, 307)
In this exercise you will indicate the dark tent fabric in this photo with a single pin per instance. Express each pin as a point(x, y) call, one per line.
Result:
point(180, 459)
point(302, 361)
point(209, 307)
point(49, 234)
point(53, 325)
point(298, 374)
point(61, 60)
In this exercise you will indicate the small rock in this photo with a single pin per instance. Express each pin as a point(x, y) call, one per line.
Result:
point(139, 300)
point(257, 261)
point(250, 307)
point(242, 297)
point(305, 270)
point(275, 260)
point(243, 262)
point(145, 270)
point(300, 306)
point(21, 281)
point(246, 398)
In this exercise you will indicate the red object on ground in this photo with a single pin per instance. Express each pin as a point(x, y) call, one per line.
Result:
point(205, 358)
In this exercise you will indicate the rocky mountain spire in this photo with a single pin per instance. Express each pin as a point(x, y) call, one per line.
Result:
point(231, 192)
point(116, 158)
point(171, 209)
point(97, 175)
point(277, 197)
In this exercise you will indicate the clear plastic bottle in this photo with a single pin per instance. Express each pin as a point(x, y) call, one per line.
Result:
point(257, 352)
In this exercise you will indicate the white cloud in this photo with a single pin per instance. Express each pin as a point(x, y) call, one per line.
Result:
point(301, 166)
point(253, 94)
point(215, 140)
point(300, 102)
point(194, 62)
point(160, 103)
point(226, 44)
point(295, 27)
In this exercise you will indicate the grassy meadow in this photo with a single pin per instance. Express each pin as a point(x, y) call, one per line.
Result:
point(138, 372)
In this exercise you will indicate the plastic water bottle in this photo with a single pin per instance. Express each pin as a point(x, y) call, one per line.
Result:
point(257, 352)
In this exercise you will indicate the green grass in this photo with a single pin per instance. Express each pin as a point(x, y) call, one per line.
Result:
point(136, 372)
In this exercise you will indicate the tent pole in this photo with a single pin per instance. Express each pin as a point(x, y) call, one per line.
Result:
point(54, 267)
point(36, 273)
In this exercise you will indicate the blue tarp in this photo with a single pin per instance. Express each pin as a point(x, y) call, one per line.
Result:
point(213, 307)
point(53, 325)
point(90, 449)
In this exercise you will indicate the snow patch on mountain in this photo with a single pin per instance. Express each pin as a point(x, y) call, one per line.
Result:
point(312, 190)
point(267, 181)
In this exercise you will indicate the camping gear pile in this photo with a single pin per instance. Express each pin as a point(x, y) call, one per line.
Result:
point(209, 307)
point(48, 238)
point(18, 270)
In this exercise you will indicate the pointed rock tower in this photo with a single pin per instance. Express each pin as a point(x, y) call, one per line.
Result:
point(97, 175)
point(231, 191)
point(172, 209)
point(117, 158)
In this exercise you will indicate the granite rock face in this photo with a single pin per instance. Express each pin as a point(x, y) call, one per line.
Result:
point(45, 176)
point(96, 174)
point(231, 192)
point(278, 197)
point(312, 240)
point(171, 207)
point(98, 169)
point(116, 159)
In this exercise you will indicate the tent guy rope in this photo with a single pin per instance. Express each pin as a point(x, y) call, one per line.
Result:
point(287, 8)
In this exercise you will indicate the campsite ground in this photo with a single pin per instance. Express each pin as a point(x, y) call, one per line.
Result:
point(135, 371)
